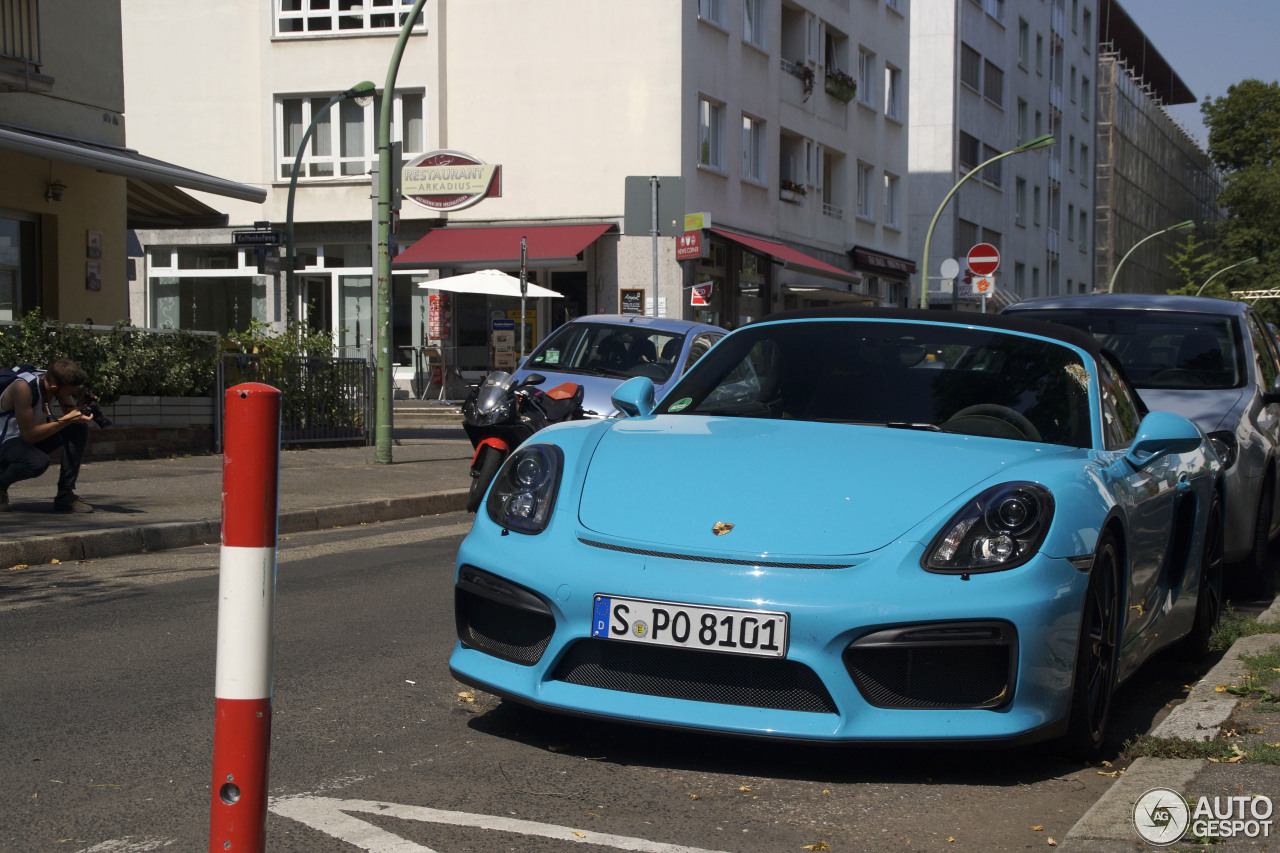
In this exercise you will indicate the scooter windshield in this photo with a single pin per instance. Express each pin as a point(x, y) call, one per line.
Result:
point(492, 391)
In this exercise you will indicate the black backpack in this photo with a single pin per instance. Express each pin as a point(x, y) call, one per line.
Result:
point(9, 375)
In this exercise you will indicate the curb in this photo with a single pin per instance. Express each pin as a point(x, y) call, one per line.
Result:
point(96, 544)
point(1108, 825)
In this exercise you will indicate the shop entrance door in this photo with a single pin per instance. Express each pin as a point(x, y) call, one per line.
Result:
point(317, 302)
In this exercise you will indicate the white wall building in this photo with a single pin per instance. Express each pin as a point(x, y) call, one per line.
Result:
point(750, 103)
point(987, 76)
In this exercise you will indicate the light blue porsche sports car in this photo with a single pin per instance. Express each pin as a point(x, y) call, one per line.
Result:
point(850, 525)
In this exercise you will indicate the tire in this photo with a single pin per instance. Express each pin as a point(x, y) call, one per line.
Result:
point(1097, 651)
point(1255, 575)
point(481, 476)
point(1209, 598)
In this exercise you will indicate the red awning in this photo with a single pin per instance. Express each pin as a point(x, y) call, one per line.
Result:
point(498, 246)
point(789, 257)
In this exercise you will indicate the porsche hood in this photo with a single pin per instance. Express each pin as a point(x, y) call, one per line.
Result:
point(754, 487)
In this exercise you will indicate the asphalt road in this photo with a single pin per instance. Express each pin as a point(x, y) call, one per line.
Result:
point(106, 729)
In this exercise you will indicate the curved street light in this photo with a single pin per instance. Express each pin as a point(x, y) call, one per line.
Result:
point(1034, 144)
point(1247, 262)
point(1181, 226)
point(359, 90)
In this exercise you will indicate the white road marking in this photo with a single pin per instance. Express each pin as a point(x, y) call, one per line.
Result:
point(328, 815)
point(127, 845)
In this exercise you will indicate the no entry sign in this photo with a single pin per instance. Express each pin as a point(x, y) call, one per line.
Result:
point(984, 259)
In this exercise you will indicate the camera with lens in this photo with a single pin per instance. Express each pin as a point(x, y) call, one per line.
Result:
point(95, 411)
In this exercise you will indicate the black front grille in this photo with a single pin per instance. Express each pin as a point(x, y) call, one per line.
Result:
point(501, 619)
point(694, 675)
point(954, 665)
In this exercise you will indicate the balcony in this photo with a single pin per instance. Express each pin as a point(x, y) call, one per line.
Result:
point(832, 211)
point(840, 85)
point(1055, 170)
point(1054, 243)
point(20, 48)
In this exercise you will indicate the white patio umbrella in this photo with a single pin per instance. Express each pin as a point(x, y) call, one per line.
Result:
point(493, 282)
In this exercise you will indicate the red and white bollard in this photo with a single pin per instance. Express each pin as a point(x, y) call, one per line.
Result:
point(246, 611)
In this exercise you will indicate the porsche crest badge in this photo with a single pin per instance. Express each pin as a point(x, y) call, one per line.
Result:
point(720, 528)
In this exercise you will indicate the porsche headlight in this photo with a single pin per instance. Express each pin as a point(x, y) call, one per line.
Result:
point(1001, 528)
point(524, 492)
point(1224, 444)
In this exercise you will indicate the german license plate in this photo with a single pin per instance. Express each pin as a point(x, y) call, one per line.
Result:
point(666, 623)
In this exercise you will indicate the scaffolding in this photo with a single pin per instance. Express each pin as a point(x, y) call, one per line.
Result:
point(1150, 174)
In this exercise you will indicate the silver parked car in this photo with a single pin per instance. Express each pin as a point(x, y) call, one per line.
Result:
point(1213, 361)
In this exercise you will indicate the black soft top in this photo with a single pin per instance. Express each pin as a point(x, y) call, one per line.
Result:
point(1003, 322)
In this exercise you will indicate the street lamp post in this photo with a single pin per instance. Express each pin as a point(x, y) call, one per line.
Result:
point(1247, 262)
point(382, 385)
point(1032, 145)
point(1115, 274)
point(360, 90)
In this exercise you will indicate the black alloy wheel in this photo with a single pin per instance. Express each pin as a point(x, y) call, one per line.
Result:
point(1209, 599)
point(1094, 680)
point(482, 475)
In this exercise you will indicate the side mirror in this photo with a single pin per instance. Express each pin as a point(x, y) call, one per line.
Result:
point(1161, 433)
point(1272, 396)
point(634, 398)
point(533, 379)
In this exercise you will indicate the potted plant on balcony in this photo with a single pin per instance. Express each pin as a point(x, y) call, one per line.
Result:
point(840, 85)
point(790, 191)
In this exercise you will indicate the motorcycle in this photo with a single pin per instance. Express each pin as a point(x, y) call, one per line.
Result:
point(498, 416)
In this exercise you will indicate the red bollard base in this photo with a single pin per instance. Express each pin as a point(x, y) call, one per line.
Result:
point(241, 743)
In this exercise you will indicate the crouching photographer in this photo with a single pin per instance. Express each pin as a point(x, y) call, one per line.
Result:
point(30, 432)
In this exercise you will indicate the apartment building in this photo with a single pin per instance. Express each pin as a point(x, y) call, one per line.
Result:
point(71, 187)
point(988, 76)
point(782, 122)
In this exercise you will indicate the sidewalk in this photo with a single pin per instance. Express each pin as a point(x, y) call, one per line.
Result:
point(153, 504)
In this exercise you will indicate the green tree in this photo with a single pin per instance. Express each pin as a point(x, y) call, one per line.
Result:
point(1194, 261)
point(1244, 141)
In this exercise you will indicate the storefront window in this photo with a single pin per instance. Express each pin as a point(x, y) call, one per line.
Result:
point(208, 304)
point(19, 267)
point(751, 288)
point(711, 271)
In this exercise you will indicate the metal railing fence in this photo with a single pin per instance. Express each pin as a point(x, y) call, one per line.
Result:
point(323, 400)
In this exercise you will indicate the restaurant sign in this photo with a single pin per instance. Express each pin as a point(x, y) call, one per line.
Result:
point(449, 180)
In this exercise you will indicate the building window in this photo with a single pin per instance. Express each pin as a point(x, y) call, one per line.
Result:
point(1085, 97)
point(753, 149)
point(1075, 14)
point(1071, 152)
point(1035, 204)
point(895, 5)
point(1039, 124)
point(1071, 222)
point(1084, 231)
point(711, 11)
point(1020, 201)
point(970, 68)
point(19, 265)
point(1020, 278)
point(1035, 281)
point(710, 134)
point(992, 237)
point(866, 78)
point(1073, 84)
point(967, 151)
point(1084, 164)
point(891, 200)
point(993, 83)
point(995, 8)
point(1022, 121)
point(205, 288)
point(342, 17)
point(754, 31)
point(343, 142)
point(1024, 43)
point(993, 174)
point(966, 237)
point(866, 192)
point(892, 92)
point(1039, 54)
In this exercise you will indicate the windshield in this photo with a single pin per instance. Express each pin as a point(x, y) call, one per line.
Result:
point(601, 349)
point(894, 374)
point(492, 390)
point(1162, 349)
